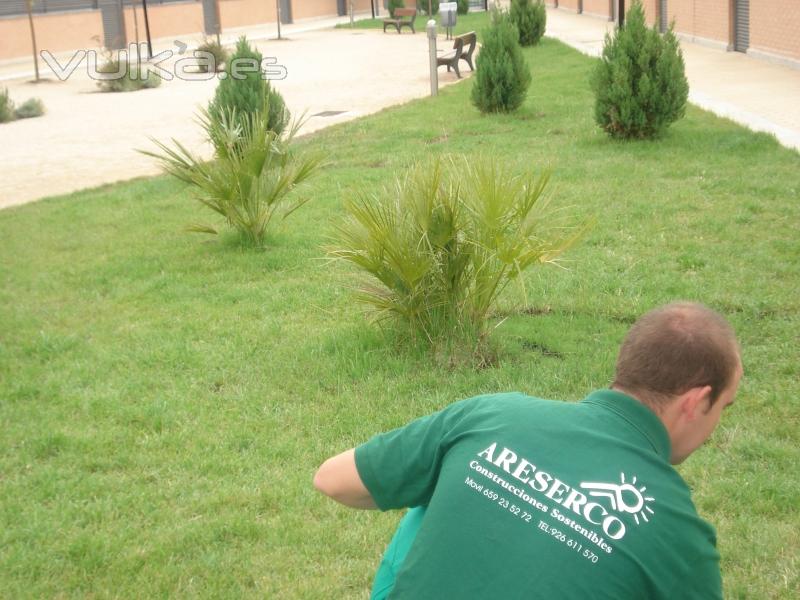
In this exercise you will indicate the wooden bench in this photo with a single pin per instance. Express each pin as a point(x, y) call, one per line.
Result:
point(398, 22)
point(468, 40)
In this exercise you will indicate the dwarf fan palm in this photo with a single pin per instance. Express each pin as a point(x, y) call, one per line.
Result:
point(441, 245)
point(253, 171)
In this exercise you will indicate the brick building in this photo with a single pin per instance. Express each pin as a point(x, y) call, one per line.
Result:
point(63, 25)
point(767, 29)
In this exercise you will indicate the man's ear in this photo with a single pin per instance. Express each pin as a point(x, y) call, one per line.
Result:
point(695, 403)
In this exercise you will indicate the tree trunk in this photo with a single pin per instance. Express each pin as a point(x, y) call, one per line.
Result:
point(136, 35)
point(29, 5)
point(219, 21)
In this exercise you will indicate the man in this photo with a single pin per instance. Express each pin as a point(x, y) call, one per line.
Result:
point(529, 498)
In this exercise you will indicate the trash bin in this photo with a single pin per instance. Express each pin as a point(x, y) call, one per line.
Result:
point(447, 14)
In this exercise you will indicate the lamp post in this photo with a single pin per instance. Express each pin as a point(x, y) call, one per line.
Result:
point(278, 12)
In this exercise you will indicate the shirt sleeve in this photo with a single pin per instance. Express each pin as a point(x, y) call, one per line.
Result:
point(400, 467)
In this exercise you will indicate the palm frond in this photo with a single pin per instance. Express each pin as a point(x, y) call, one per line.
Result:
point(441, 244)
point(253, 172)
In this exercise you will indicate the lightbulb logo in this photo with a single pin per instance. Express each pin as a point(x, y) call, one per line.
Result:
point(624, 497)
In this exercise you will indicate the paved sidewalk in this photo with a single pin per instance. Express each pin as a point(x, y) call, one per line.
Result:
point(758, 94)
point(89, 138)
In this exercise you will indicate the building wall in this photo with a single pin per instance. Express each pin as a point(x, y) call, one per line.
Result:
point(568, 4)
point(240, 13)
point(775, 27)
point(314, 8)
point(56, 32)
point(650, 11)
point(712, 20)
point(705, 19)
point(310, 9)
point(166, 20)
point(599, 8)
point(774, 24)
point(59, 32)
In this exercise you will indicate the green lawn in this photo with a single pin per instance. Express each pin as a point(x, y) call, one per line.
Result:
point(166, 397)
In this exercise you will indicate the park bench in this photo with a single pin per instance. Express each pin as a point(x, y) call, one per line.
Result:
point(398, 21)
point(468, 40)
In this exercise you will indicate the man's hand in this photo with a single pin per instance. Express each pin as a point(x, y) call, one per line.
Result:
point(339, 479)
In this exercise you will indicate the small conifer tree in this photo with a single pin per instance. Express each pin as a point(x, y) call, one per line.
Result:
point(242, 92)
point(463, 7)
point(530, 17)
point(502, 77)
point(640, 83)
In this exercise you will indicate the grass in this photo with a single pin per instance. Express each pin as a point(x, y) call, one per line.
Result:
point(166, 398)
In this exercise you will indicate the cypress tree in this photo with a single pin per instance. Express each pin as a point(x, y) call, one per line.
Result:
point(640, 82)
point(502, 77)
point(530, 18)
point(245, 92)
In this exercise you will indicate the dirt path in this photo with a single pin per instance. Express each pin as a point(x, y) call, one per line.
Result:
point(89, 138)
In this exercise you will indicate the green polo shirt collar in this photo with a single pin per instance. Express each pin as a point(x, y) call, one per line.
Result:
point(636, 414)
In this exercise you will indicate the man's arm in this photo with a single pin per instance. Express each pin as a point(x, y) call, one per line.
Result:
point(338, 478)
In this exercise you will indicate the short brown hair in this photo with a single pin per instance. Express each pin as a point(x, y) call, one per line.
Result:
point(675, 348)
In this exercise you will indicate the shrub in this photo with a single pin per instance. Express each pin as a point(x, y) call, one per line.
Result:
point(218, 58)
point(442, 244)
point(243, 92)
point(254, 170)
point(502, 77)
point(6, 106)
point(394, 4)
point(639, 84)
point(119, 76)
point(530, 17)
point(463, 7)
point(29, 109)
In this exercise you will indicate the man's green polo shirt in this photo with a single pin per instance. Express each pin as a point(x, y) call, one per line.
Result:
point(530, 498)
